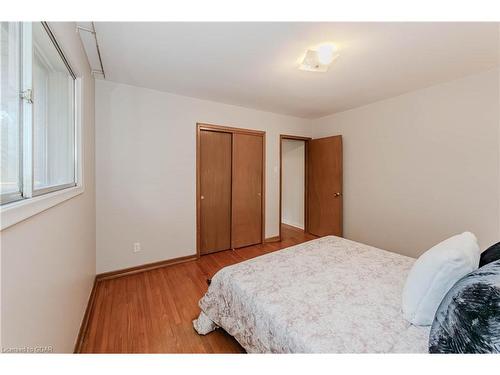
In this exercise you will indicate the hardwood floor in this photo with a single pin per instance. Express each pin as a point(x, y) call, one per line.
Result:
point(152, 311)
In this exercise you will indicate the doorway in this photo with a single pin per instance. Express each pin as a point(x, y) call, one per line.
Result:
point(311, 194)
point(293, 182)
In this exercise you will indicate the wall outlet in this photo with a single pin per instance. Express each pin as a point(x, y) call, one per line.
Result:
point(137, 247)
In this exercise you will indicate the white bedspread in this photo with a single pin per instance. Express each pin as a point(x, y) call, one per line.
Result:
point(329, 295)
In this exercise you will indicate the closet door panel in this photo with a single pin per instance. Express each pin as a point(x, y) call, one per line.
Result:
point(215, 191)
point(247, 190)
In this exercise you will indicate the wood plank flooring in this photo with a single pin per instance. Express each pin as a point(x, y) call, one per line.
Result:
point(152, 311)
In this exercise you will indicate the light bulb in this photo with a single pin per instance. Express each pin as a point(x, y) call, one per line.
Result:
point(326, 53)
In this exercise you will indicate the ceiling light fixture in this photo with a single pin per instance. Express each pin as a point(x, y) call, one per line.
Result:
point(319, 59)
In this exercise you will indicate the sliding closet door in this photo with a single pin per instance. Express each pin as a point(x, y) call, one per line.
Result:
point(247, 190)
point(215, 191)
point(324, 186)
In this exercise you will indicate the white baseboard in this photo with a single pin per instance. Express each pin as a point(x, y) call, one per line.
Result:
point(291, 223)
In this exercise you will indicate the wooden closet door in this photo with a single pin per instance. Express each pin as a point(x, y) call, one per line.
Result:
point(215, 191)
point(324, 186)
point(247, 190)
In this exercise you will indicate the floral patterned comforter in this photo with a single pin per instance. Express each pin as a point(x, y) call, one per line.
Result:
point(329, 295)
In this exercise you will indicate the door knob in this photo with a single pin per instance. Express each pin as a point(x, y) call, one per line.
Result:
point(202, 197)
point(258, 194)
point(336, 195)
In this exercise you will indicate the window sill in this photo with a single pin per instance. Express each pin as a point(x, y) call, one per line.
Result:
point(16, 212)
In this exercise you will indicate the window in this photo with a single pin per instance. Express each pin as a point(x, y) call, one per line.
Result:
point(10, 112)
point(37, 95)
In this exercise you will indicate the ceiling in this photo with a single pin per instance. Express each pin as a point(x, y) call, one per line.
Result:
point(255, 64)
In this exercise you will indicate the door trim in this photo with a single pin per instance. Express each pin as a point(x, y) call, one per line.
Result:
point(227, 129)
point(306, 144)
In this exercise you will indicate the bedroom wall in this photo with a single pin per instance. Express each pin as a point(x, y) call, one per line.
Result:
point(146, 170)
point(293, 175)
point(422, 166)
point(48, 260)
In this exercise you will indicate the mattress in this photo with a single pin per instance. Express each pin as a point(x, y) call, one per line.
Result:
point(329, 295)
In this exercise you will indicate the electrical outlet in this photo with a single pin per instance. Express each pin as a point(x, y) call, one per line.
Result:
point(137, 247)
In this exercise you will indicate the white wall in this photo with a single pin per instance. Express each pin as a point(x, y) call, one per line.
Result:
point(48, 260)
point(417, 168)
point(422, 166)
point(293, 179)
point(146, 170)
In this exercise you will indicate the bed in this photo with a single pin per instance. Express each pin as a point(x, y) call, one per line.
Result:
point(329, 295)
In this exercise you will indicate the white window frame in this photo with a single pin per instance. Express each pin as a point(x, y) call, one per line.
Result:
point(36, 201)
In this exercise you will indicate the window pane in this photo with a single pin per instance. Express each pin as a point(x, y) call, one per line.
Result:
point(10, 104)
point(53, 115)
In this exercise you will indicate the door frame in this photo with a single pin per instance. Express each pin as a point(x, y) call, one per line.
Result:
point(227, 129)
point(306, 145)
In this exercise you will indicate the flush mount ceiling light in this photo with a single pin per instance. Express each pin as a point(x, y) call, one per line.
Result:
point(319, 59)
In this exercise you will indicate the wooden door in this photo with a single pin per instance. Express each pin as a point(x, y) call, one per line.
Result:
point(215, 191)
point(247, 190)
point(324, 185)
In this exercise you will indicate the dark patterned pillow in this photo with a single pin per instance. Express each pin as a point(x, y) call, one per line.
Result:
point(490, 255)
point(468, 318)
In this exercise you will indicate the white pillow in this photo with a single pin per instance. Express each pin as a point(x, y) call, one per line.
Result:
point(434, 273)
